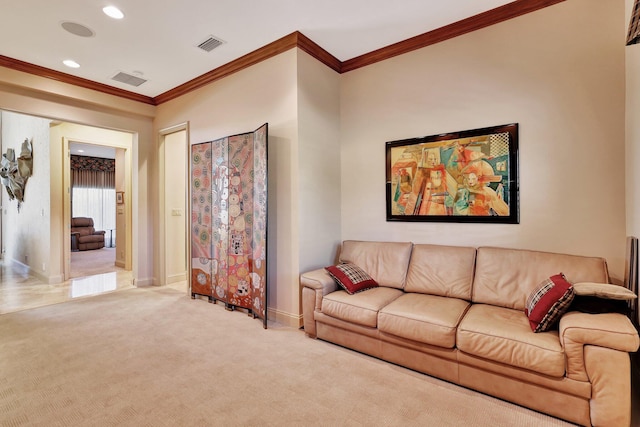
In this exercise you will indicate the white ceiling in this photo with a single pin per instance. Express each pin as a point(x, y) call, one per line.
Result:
point(159, 38)
point(91, 150)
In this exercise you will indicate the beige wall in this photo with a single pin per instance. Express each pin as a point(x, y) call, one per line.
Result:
point(633, 130)
point(25, 93)
point(266, 92)
point(559, 73)
point(26, 233)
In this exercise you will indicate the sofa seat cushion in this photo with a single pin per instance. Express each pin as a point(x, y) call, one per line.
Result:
point(503, 335)
point(361, 308)
point(428, 319)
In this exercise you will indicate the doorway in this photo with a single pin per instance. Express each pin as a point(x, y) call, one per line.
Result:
point(174, 195)
point(117, 237)
point(93, 209)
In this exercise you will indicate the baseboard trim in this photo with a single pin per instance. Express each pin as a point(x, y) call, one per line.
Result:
point(144, 282)
point(120, 264)
point(173, 278)
point(38, 274)
point(288, 319)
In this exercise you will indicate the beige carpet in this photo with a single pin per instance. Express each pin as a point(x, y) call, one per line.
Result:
point(95, 261)
point(154, 357)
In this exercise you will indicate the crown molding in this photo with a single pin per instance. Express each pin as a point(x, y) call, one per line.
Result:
point(48, 73)
point(272, 49)
point(473, 23)
point(299, 40)
point(295, 39)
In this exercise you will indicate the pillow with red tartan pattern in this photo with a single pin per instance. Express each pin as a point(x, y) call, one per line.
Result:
point(351, 278)
point(548, 302)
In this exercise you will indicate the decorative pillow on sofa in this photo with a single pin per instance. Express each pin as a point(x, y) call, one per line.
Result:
point(548, 302)
point(351, 278)
point(601, 298)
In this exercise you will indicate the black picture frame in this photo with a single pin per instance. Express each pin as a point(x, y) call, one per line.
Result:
point(466, 176)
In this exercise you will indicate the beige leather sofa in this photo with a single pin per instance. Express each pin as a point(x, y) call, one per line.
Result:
point(457, 313)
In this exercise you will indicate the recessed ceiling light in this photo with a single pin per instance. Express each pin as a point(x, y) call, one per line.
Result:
point(113, 12)
point(71, 63)
point(80, 151)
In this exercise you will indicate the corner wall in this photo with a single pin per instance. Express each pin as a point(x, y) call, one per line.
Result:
point(559, 73)
point(241, 102)
point(318, 163)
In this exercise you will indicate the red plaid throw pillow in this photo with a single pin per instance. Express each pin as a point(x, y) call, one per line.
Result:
point(351, 278)
point(548, 302)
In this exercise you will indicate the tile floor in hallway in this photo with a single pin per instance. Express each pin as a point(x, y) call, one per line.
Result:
point(20, 290)
point(92, 272)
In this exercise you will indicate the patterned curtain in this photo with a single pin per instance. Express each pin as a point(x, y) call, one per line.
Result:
point(92, 172)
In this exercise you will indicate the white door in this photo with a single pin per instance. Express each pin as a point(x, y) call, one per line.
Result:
point(175, 208)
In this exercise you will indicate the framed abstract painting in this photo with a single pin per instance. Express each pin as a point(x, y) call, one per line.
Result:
point(466, 176)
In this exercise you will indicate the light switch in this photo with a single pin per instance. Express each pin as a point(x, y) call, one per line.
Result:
point(176, 212)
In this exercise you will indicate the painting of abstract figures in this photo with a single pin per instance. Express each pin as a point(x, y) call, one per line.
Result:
point(229, 221)
point(468, 176)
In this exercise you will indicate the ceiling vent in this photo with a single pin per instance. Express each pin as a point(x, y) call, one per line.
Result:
point(128, 79)
point(210, 43)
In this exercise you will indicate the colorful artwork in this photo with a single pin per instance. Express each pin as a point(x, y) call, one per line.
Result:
point(258, 222)
point(230, 257)
point(468, 176)
point(201, 219)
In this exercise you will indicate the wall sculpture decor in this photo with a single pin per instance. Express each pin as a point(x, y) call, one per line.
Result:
point(467, 176)
point(229, 221)
point(14, 173)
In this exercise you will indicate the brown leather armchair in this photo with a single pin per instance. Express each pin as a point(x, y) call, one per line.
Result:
point(85, 236)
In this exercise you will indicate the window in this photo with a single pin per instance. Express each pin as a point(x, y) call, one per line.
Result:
point(96, 203)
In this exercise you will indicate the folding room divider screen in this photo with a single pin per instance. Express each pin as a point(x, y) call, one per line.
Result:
point(229, 221)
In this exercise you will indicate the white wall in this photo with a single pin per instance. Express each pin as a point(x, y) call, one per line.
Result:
point(559, 73)
point(632, 130)
point(26, 233)
point(266, 92)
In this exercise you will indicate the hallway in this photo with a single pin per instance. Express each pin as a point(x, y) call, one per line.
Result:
point(19, 290)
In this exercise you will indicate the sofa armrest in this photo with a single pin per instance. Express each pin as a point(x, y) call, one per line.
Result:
point(319, 280)
point(608, 330)
point(315, 285)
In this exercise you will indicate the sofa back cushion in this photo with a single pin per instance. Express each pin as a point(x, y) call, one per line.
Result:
point(441, 270)
point(505, 277)
point(385, 262)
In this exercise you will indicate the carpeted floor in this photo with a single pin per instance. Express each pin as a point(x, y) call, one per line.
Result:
point(155, 357)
